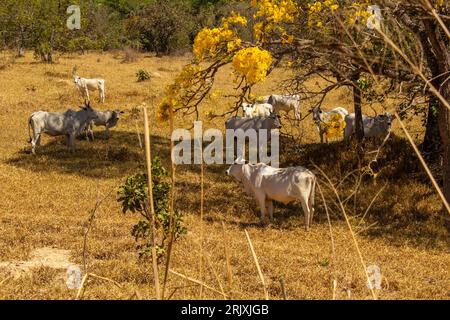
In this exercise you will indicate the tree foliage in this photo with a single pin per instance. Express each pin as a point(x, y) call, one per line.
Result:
point(133, 196)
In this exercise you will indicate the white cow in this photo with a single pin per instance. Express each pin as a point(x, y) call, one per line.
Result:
point(286, 103)
point(70, 123)
point(374, 127)
point(267, 184)
point(322, 119)
point(107, 119)
point(256, 110)
point(84, 85)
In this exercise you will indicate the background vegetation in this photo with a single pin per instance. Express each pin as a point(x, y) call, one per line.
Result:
point(161, 26)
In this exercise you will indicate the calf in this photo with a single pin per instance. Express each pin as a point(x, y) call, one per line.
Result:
point(267, 184)
point(84, 85)
point(256, 110)
point(70, 123)
point(107, 119)
point(286, 103)
point(374, 127)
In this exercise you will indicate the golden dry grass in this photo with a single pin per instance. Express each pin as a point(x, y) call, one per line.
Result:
point(46, 202)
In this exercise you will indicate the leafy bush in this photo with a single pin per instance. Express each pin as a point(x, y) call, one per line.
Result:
point(162, 27)
point(133, 196)
point(142, 75)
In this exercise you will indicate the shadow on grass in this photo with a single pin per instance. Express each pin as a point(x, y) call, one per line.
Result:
point(394, 215)
point(119, 156)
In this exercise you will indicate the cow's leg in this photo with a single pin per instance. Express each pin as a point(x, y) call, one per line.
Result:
point(261, 199)
point(321, 135)
point(35, 141)
point(91, 131)
point(86, 94)
point(306, 211)
point(38, 140)
point(107, 132)
point(71, 140)
point(269, 206)
point(298, 116)
point(311, 203)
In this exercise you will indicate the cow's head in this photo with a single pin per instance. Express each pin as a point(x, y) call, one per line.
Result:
point(235, 170)
point(90, 112)
point(276, 124)
point(118, 113)
point(317, 114)
point(246, 107)
point(76, 79)
point(385, 118)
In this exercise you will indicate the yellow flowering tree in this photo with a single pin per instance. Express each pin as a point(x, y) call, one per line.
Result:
point(343, 42)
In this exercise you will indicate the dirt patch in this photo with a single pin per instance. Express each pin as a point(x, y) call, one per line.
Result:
point(41, 257)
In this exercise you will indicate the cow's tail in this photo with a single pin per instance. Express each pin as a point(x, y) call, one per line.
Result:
point(29, 128)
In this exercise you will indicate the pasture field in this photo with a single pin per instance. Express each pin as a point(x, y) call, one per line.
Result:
point(46, 200)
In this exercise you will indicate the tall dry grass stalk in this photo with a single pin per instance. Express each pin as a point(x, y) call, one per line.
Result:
point(83, 284)
point(347, 220)
point(255, 258)
point(228, 260)
point(198, 282)
point(172, 206)
point(430, 7)
point(148, 158)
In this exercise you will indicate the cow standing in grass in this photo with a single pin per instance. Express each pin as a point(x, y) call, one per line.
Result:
point(256, 110)
point(374, 127)
point(107, 119)
point(70, 123)
point(267, 184)
point(84, 85)
point(286, 103)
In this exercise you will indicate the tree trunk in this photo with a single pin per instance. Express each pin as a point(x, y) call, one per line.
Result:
point(444, 129)
point(441, 51)
point(359, 127)
point(432, 141)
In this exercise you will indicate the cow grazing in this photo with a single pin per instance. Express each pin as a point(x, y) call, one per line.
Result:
point(84, 85)
point(70, 123)
point(267, 184)
point(323, 119)
point(374, 127)
point(107, 119)
point(257, 110)
point(286, 103)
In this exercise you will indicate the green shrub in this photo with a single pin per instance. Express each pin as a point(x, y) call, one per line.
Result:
point(142, 75)
point(133, 196)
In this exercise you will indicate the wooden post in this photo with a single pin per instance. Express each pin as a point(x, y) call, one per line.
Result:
point(148, 158)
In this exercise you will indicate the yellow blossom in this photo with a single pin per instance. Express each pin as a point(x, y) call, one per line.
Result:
point(253, 63)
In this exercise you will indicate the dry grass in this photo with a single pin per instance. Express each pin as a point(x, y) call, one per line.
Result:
point(46, 202)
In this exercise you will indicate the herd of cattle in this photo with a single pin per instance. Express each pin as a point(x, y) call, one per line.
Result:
point(265, 183)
